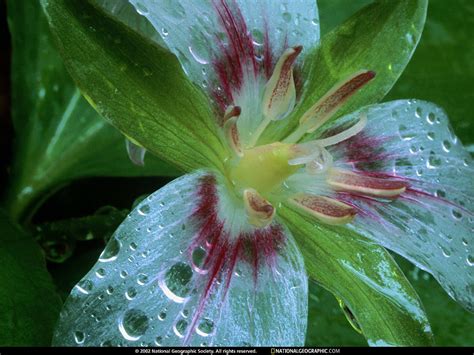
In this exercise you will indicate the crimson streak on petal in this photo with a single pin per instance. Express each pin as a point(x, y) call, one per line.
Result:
point(223, 250)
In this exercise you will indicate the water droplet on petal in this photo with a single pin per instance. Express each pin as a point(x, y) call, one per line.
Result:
point(133, 324)
point(205, 327)
point(111, 251)
point(141, 8)
point(100, 273)
point(175, 283)
point(143, 210)
point(158, 340)
point(446, 146)
point(418, 112)
point(142, 279)
point(85, 286)
point(180, 328)
point(470, 260)
point(131, 293)
point(79, 337)
point(162, 316)
point(431, 118)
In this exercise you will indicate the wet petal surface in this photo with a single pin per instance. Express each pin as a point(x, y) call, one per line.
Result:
point(170, 275)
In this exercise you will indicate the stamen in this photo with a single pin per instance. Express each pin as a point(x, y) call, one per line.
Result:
point(346, 134)
point(327, 210)
point(280, 94)
point(231, 131)
point(344, 180)
point(315, 156)
point(260, 212)
point(329, 104)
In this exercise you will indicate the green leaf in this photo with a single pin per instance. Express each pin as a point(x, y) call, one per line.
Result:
point(442, 69)
point(29, 305)
point(452, 325)
point(137, 85)
point(327, 325)
point(365, 278)
point(334, 12)
point(58, 135)
point(381, 37)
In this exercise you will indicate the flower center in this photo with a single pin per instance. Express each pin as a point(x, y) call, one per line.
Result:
point(257, 173)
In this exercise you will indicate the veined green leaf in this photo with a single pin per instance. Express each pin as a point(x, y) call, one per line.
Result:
point(58, 135)
point(137, 85)
point(380, 37)
point(365, 278)
point(29, 304)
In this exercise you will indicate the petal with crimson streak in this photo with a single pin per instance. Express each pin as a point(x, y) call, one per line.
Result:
point(171, 275)
point(432, 222)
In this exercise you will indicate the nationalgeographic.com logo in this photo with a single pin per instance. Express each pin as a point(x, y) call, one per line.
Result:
point(304, 351)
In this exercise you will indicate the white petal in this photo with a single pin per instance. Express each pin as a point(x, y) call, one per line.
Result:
point(191, 28)
point(432, 223)
point(149, 287)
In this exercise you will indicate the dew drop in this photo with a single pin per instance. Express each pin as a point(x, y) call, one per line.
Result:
point(198, 257)
point(470, 260)
point(85, 286)
point(133, 246)
point(456, 214)
point(431, 136)
point(162, 316)
point(446, 146)
point(180, 327)
point(111, 251)
point(175, 282)
point(110, 290)
point(100, 273)
point(418, 112)
point(431, 118)
point(257, 37)
point(205, 328)
point(142, 279)
point(131, 293)
point(158, 341)
point(141, 8)
point(445, 251)
point(79, 337)
point(198, 54)
point(405, 133)
point(164, 32)
point(433, 161)
point(123, 274)
point(133, 324)
point(410, 39)
point(143, 210)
